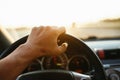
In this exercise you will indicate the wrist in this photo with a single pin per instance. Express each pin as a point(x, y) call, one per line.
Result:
point(30, 52)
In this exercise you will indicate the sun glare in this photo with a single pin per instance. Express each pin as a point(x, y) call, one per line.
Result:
point(55, 12)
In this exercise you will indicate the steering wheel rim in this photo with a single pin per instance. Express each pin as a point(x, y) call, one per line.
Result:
point(60, 74)
point(99, 70)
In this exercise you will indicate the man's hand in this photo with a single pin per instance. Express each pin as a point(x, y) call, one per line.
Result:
point(43, 41)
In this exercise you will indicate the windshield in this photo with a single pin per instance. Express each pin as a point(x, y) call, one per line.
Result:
point(82, 18)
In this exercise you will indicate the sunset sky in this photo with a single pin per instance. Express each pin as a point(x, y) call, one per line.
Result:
point(56, 12)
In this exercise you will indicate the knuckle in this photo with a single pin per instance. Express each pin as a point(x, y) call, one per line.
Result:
point(34, 28)
point(48, 27)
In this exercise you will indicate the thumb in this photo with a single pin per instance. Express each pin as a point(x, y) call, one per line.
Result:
point(62, 48)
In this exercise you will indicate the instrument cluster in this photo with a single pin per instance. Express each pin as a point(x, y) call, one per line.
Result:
point(74, 62)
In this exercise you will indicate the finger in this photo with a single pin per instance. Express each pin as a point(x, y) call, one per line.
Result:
point(62, 48)
point(36, 30)
point(40, 30)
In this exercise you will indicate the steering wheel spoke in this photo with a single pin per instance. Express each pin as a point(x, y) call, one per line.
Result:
point(79, 76)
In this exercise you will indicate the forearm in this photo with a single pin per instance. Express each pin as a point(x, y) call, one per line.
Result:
point(15, 63)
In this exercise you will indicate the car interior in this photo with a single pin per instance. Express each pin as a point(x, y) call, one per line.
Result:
point(94, 47)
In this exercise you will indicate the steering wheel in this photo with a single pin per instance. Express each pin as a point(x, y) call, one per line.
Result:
point(98, 72)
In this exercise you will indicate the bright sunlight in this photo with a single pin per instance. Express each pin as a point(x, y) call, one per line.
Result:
point(55, 12)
